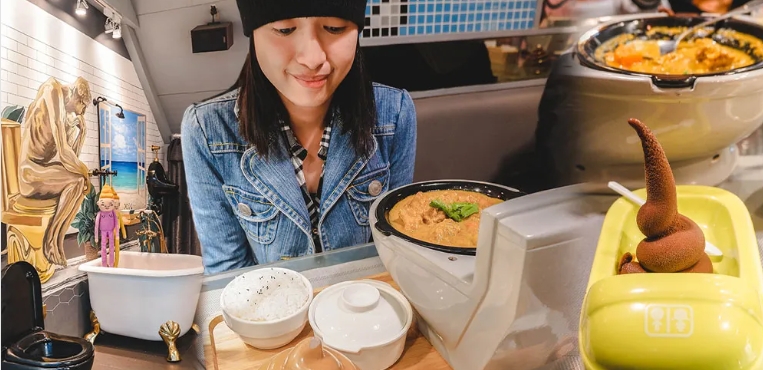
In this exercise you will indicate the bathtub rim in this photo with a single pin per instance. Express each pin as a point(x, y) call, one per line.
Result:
point(94, 266)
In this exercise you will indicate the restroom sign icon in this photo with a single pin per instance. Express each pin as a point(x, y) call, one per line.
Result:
point(664, 320)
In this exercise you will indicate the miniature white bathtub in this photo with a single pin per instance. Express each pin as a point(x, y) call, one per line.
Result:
point(144, 292)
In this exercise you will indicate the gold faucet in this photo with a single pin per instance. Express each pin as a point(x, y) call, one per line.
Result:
point(147, 220)
point(150, 235)
point(155, 149)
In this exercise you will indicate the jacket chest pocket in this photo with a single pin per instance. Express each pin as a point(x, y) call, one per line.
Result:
point(257, 216)
point(364, 190)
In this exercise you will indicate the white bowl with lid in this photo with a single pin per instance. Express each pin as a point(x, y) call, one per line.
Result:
point(365, 320)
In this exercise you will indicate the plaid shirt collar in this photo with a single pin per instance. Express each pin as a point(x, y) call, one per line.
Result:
point(299, 151)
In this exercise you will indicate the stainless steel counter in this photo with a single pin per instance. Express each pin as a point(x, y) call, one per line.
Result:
point(359, 261)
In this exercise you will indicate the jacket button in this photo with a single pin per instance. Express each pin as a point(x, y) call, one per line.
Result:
point(244, 209)
point(374, 188)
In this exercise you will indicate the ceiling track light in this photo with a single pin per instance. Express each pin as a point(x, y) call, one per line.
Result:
point(109, 26)
point(117, 33)
point(82, 7)
point(113, 22)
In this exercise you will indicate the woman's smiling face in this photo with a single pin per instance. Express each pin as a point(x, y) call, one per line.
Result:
point(306, 58)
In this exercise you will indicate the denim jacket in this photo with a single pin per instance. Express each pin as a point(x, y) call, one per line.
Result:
point(249, 210)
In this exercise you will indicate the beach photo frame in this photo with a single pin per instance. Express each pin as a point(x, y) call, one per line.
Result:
point(122, 149)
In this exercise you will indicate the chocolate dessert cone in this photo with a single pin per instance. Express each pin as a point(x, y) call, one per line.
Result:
point(673, 243)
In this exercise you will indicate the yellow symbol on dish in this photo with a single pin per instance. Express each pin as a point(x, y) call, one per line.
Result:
point(662, 320)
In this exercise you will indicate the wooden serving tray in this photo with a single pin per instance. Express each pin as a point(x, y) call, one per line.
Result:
point(226, 351)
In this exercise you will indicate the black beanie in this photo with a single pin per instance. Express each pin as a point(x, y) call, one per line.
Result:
point(257, 13)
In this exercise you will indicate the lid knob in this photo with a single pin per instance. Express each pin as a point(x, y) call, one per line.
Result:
point(314, 349)
point(360, 297)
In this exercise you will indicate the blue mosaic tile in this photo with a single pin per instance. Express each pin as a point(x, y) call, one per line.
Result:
point(392, 18)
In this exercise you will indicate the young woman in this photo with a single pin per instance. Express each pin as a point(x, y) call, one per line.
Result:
point(289, 160)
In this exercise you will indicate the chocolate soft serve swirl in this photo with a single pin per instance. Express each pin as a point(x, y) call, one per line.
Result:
point(309, 354)
point(673, 243)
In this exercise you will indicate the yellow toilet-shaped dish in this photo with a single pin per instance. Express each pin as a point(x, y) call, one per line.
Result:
point(656, 321)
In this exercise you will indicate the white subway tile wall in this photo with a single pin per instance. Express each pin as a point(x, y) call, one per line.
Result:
point(393, 18)
point(27, 61)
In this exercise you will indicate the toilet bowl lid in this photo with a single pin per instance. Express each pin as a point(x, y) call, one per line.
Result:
point(21, 302)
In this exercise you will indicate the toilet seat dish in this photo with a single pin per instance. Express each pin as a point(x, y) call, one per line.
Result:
point(25, 343)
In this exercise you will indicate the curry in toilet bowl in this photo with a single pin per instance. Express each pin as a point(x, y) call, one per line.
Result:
point(443, 217)
point(698, 55)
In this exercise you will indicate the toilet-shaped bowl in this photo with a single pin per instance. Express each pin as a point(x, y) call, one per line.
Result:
point(26, 344)
point(676, 321)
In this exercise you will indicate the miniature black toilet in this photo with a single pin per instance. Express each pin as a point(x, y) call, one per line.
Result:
point(26, 344)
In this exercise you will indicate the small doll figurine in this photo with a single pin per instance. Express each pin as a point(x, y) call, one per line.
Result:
point(106, 223)
point(121, 226)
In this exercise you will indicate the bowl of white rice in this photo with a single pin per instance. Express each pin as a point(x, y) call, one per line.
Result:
point(267, 307)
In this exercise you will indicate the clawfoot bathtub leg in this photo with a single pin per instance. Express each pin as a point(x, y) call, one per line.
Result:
point(169, 331)
point(90, 337)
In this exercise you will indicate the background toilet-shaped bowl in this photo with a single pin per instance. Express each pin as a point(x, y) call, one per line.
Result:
point(26, 344)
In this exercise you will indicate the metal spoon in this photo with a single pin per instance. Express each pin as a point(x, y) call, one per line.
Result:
point(712, 251)
point(669, 46)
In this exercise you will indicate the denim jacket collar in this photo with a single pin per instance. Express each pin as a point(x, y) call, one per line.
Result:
point(268, 176)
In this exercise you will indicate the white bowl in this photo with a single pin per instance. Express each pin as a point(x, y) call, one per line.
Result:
point(365, 320)
point(269, 334)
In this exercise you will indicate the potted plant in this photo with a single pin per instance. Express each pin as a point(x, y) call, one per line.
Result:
point(84, 221)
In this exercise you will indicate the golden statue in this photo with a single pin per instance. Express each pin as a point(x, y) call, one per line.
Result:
point(45, 193)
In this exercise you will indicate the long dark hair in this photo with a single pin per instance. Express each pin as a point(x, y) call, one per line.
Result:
point(260, 106)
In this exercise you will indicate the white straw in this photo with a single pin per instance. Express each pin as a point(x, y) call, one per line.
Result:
point(626, 193)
